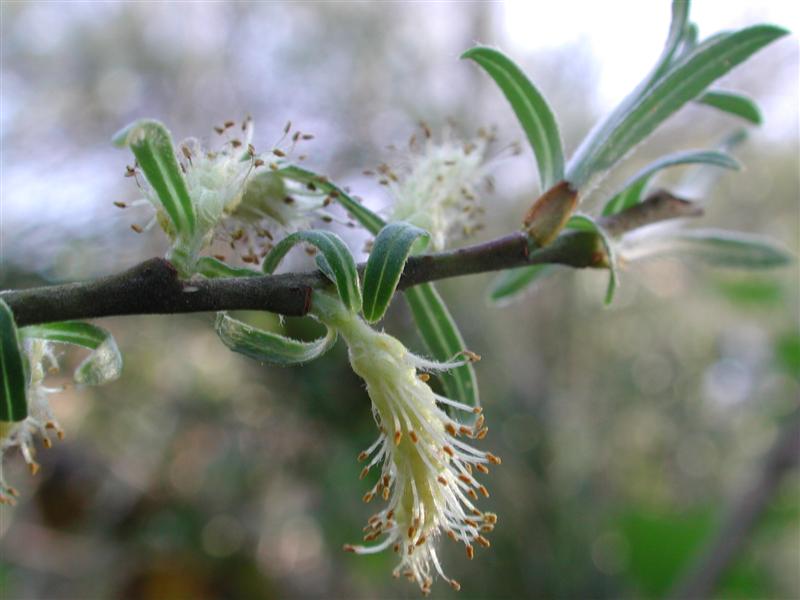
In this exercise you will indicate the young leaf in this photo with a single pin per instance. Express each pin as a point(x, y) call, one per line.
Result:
point(513, 281)
point(586, 223)
point(13, 403)
point(633, 189)
point(212, 268)
point(732, 103)
point(338, 264)
point(385, 265)
point(151, 144)
point(712, 246)
point(531, 109)
point(372, 222)
point(682, 82)
point(267, 346)
point(440, 333)
point(104, 363)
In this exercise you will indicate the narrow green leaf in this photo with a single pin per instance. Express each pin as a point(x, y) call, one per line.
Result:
point(512, 282)
point(441, 336)
point(14, 404)
point(385, 265)
point(679, 32)
point(212, 268)
point(714, 247)
point(104, 363)
point(372, 222)
point(151, 144)
point(684, 81)
point(338, 263)
point(531, 109)
point(267, 346)
point(586, 223)
point(732, 103)
point(632, 190)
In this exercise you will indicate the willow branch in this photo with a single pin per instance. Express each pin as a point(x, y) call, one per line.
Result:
point(153, 287)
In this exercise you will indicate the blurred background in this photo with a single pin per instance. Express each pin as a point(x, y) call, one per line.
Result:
point(626, 433)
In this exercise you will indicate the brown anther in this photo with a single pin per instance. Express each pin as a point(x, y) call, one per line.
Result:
point(368, 173)
point(413, 436)
point(469, 468)
point(251, 150)
point(386, 480)
point(47, 442)
point(367, 498)
point(287, 127)
point(129, 171)
point(310, 185)
point(311, 251)
point(371, 536)
point(482, 433)
point(273, 166)
point(470, 552)
point(450, 428)
point(424, 377)
point(425, 129)
point(411, 532)
point(483, 541)
point(471, 356)
point(488, 528)
point(33, 467)
point(471, 493)
point(471, 523)
point(484, 491)
point(482, 468)
point(465, 479)
point(455, 585)
point(398, 435)
point(278, 152)
point(258, 163)
point(396, 549)
point(477, 410)
point(250, 258)
point(236, 143)
point(495, 460)
point(296, 136)
point(228, 124)
point(441, 479)
point(349, 548)
point(385, 493)
point(490, 518)
point(479, 422)
point(389, 515)
point(422, 539)
point(288, 200)
point(302, 157)
point(307, 136)
point(451, 534)
point(137, 228)
point(120, 204)
point(448, 450)
point(476, 512)
point(464, 430)
point(364, 472)
point(219, 130)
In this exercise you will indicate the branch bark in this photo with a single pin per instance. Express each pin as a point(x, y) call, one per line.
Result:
point(153, 287)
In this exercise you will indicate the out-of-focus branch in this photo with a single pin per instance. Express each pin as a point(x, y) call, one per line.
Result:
point(704, 574)
point(153, 287)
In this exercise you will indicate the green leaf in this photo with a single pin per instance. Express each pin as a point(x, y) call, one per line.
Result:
point(684, 81)
point(441, 336)
point(267, 346)
point(714, 247)
point(385, 265)
point(586, 223)
point(14, 405)
point(633, 189)
point(514, 281)
point(152, 146)
point(212, 268)
point(338, 264)
point(372, 222)
point(104, 363)
point(531, 109)
point(732, 103)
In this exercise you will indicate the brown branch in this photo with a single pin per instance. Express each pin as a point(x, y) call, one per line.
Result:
point(704, 574)
point(153, 287)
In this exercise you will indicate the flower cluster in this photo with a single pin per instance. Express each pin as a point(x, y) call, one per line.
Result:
point(239, 196)
point(41, 359)
point(438, 189)
point(428, 471)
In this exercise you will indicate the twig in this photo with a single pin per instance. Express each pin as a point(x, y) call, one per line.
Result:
point(153, 287)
